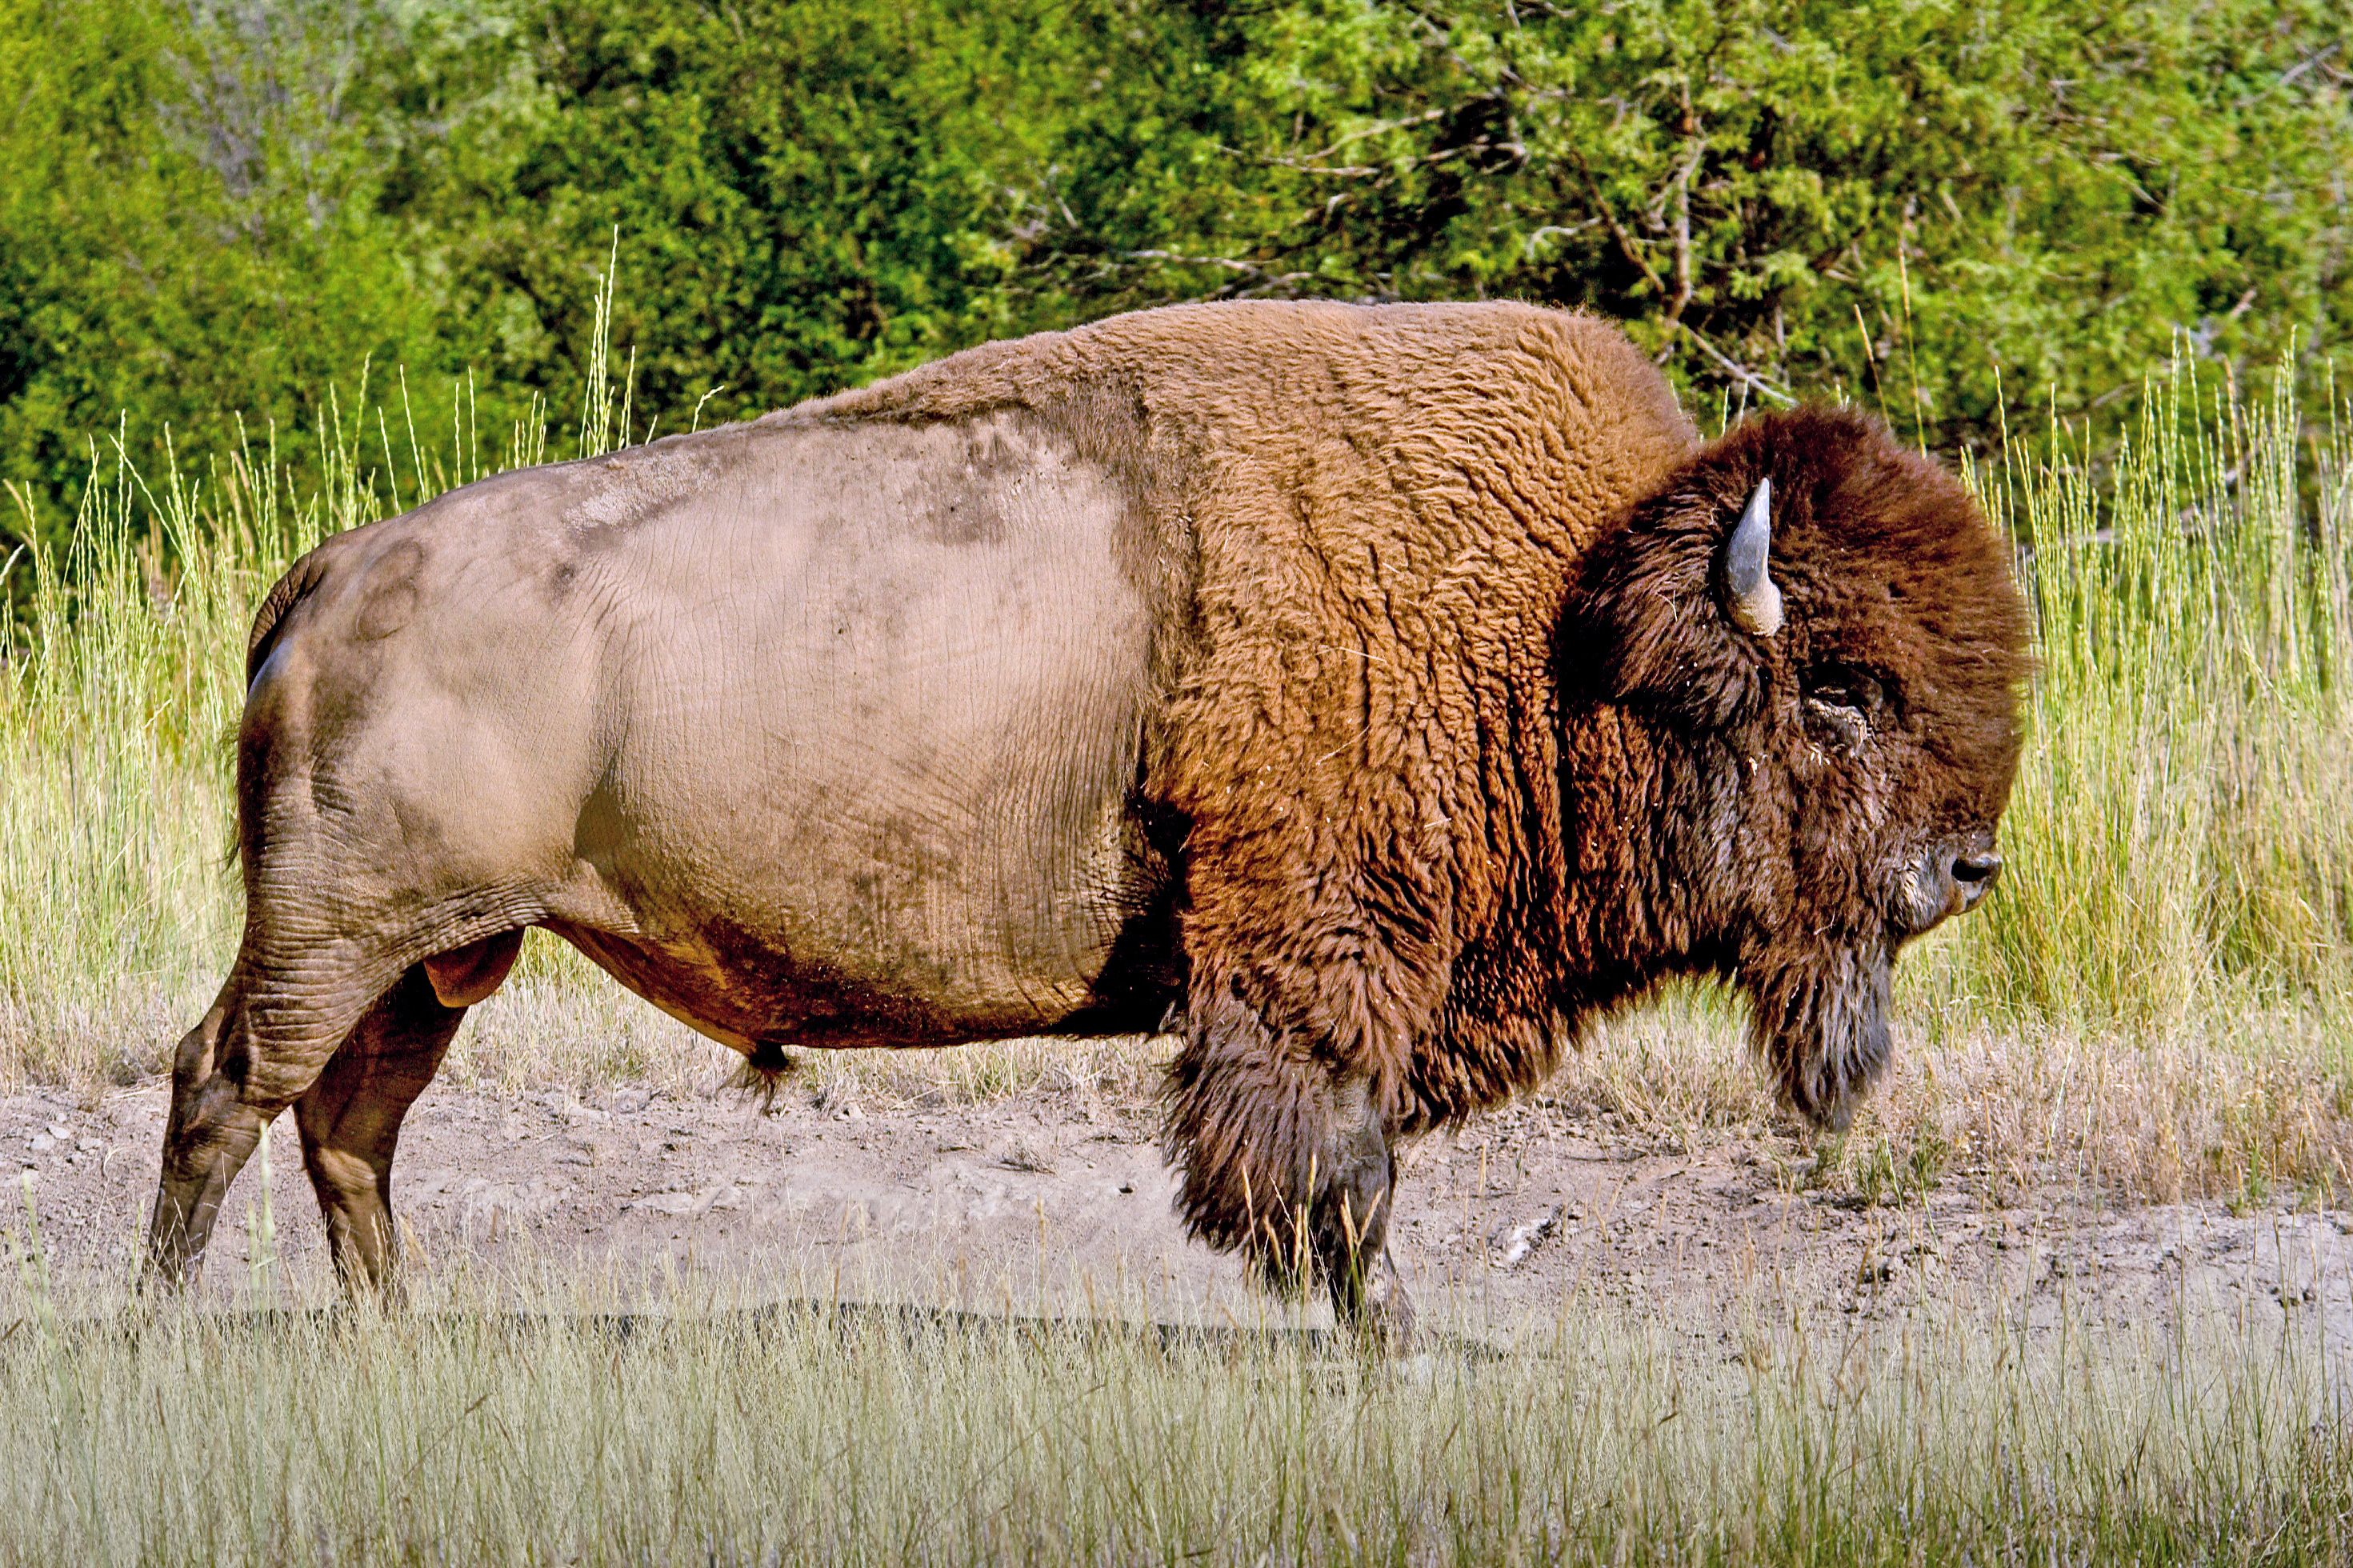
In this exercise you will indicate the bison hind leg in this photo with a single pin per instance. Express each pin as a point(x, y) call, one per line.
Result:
point(261, 1046)
point(1284, 1157)
point(346, 1036)
point(207, 1138)
point(350, 1117)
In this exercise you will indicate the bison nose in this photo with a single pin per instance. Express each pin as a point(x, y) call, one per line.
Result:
point(1976, 873)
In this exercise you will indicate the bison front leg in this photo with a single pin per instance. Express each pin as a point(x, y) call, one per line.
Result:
point(1349, 1221)
point(1284, 1156)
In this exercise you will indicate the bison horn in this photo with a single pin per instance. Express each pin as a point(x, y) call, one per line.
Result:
point(1756, 601)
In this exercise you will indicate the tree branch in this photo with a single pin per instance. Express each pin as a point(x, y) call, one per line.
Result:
point(1737, 371)
point(1616, 230)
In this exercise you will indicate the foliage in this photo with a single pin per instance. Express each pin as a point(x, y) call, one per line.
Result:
point(1903, 199)
point(210, 208)
point(188, 224)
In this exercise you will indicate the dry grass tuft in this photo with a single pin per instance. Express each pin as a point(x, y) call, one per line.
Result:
point(2255, 1114)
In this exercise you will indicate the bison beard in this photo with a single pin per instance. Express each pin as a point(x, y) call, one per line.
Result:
point(1820, 1023)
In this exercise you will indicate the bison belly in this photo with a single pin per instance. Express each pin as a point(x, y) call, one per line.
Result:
point(877, 697)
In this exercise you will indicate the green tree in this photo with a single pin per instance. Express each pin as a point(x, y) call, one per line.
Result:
point(188, 230)
point(1779, 196)
point(809, 192)
point(219, 208)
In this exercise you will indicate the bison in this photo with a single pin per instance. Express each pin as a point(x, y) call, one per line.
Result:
point(1369, 695)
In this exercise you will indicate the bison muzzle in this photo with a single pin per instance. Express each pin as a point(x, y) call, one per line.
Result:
point(1369, 695)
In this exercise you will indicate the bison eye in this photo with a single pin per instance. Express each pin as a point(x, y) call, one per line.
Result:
point(1845, 686)
point(1844, 704)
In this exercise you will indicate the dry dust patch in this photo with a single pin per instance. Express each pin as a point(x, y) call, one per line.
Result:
point(1058, 1195)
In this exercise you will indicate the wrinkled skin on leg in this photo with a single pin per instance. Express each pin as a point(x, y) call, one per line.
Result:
point(207, 1138)
point(230, 1080)
point(260, 1046)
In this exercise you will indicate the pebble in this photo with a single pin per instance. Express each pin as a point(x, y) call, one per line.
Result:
point(1523, 1239)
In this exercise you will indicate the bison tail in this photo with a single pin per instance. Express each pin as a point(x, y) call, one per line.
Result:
point(289, 591)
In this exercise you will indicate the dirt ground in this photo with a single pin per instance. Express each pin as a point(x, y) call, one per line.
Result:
point(1063, 1201)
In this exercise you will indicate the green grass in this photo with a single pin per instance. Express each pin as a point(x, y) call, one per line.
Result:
point(2182, 835)
point(519, 1421)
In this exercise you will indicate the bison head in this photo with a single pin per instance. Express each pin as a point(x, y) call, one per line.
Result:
point(1800, 662)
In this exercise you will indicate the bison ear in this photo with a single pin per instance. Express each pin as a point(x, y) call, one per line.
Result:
point(1749, 592)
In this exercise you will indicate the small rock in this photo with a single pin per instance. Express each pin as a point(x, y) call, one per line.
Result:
point(43, 1142)
point(1524, 1239)
point(60, 1131)
point(1022, 1155)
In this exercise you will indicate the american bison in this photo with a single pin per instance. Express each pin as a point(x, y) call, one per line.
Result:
point(1369, 695)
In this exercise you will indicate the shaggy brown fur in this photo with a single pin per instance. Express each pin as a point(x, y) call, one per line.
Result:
point(1371, 691)
point(1465, 742)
